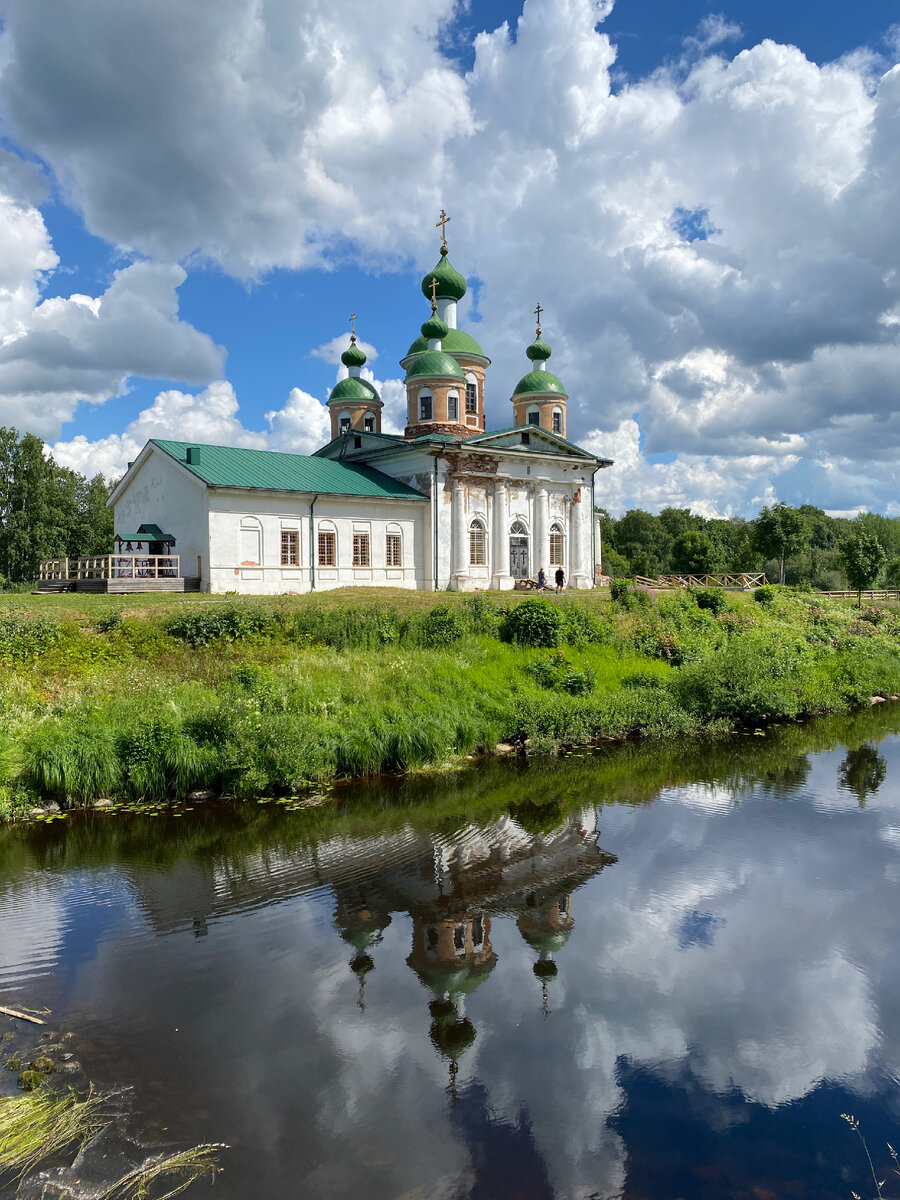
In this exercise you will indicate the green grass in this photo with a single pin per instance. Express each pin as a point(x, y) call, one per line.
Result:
point(144, 698)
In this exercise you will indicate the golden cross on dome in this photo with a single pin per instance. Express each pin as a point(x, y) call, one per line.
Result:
point(442, 221)
point(537, 313)
point(434, 293)
point(352, 330)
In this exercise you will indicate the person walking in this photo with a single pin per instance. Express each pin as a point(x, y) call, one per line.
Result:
point(560, 579)
point(541, 580)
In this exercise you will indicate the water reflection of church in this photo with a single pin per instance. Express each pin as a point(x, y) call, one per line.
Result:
point(452, 888)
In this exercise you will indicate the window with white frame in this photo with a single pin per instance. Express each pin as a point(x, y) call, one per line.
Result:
point(556, 546)
point(290, 547)
point(361, 556)
point(476, 544)
point(344, 422)
point(425, 406)
point(557, 420)
point(327, 542)
point(369, 423)
point(393, 550)
point(453, 406)
point(471, 394)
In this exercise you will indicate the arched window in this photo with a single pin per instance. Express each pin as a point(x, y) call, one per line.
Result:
point(557, 420)
point(534, 416)
point(344, 422)
point(453, 406)
point(517, 529)
point(251, 542)
point(556, 546)
point(369, 422)
point(476, 544)
point(471, 393)
point(425, 406)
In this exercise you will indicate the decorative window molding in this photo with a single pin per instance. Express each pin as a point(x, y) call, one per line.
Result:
point(361, 555)
point(426, 406)
point(369, 423)
point(477, 547)
point(471, 393)
point(393, 550)
point(344, 422)
point(557, 420)
point(453, 406)
point(290, 547)
point(534, 416)
point(557, 542)
point(251, 542)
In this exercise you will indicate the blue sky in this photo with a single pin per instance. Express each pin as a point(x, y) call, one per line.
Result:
point(703, 200)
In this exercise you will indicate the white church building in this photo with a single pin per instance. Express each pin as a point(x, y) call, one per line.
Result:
point(447, 505)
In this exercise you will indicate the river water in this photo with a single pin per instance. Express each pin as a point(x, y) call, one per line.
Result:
point(656, 972)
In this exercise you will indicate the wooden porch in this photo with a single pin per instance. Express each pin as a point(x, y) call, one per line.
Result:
point(115, 574)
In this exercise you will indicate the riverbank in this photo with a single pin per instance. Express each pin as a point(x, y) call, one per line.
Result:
point(138, 701)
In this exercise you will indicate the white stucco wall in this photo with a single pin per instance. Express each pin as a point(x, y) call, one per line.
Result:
point(232, 570)
point(160, 492)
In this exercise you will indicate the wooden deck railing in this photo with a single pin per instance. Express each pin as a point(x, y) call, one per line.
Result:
point(744, 580)
point(111, 566)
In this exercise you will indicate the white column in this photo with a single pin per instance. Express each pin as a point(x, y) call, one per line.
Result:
point(541, 544)
point(460, 558)
point(501, 579)
point(578, 572)
point(598, 542)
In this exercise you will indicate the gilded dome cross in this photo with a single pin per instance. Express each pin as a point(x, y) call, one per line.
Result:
point(442, 221)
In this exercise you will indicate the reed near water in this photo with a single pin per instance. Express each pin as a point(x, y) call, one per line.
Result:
point(139, 700)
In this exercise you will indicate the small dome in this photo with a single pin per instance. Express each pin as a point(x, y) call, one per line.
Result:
point(538, 351)
point(435, 363)
point(434, 327)
point(455, 341)
point(450, 284)
point(354, 355)
point(540, 383)
point(350, 389)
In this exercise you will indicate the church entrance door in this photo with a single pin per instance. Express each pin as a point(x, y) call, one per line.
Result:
point(518, 551)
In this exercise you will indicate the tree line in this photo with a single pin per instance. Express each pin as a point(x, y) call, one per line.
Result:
point(46, 511)
point(798, 546)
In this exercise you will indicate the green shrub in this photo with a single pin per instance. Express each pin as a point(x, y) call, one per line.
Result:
point(618, 589)
point(766, 595)
point(441, 627)
point(533, 623)
point(644, 679)
point(200, 625)
point(580, 627)
point(352, 629)
point(483, 614)
point(557, 673)
point(713, 600)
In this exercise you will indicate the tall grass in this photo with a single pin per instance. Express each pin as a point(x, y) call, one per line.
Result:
point(267, 697)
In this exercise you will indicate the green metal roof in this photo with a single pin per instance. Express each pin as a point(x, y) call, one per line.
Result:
point(353, 356)
point(234, 467)
point(455, 341)
point(147, 533)
point(435, 363)
point(353, 389)
point(538, 350)
point(539, 382)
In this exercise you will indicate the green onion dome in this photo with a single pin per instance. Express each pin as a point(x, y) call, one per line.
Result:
point(435, 328)
point(350, 389)
point(455, 341)
point(540, 383)
point(435, 363)
point(450, 284)
point(353, 356)
point(538, 351)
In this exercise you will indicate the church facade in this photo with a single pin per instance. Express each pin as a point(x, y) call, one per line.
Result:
point(448, 504)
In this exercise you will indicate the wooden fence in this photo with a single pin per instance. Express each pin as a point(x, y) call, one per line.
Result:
point(850, 594)
point(110, 566)
point(742, 581)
